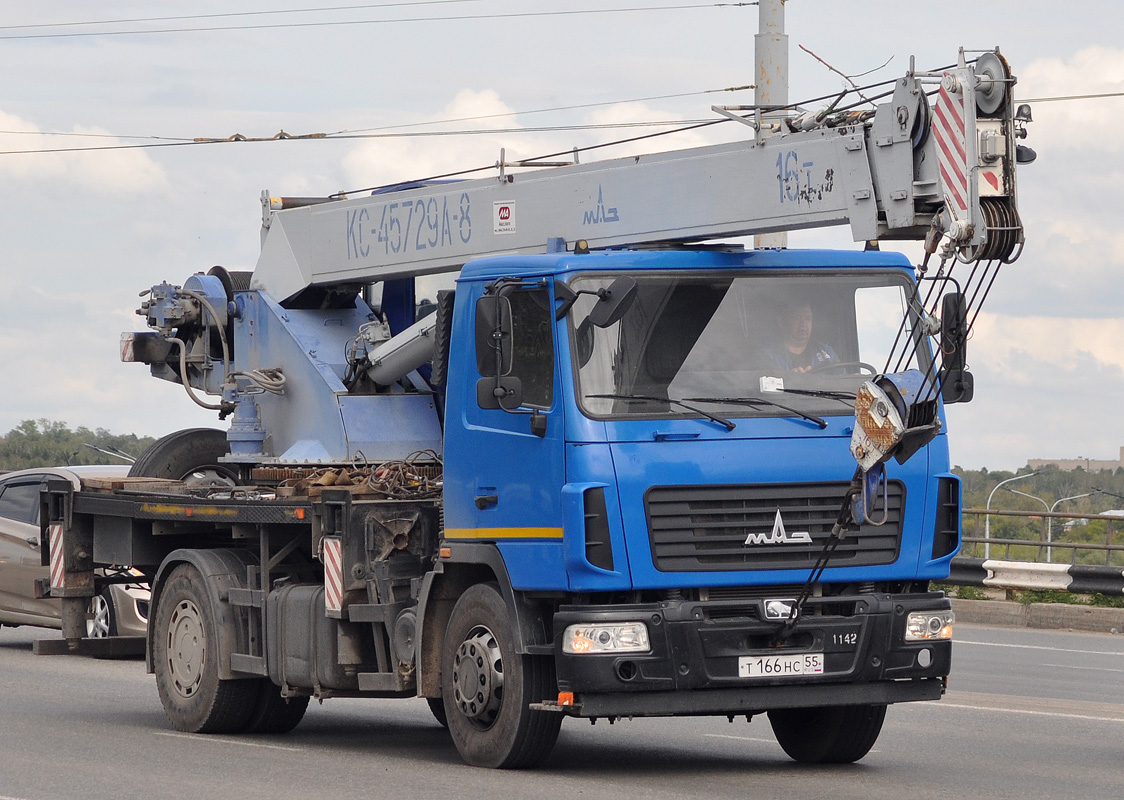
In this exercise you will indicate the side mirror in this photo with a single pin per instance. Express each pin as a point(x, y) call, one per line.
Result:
point(613, 302)
point(500, 392)
point(493, 335)
point(956, 381)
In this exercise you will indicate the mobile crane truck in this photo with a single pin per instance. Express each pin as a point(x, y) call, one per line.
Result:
point(617, 473)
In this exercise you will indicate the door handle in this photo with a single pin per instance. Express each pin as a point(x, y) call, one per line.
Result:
point(486, 501)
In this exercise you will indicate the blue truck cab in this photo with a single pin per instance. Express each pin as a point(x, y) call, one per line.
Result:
point(657, 474)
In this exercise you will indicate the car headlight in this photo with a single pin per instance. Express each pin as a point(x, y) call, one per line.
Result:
point(927, 626)
point(619, 637)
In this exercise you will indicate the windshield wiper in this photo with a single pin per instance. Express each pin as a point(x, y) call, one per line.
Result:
point(760, 401)
point(655, 399)
point(843, 397)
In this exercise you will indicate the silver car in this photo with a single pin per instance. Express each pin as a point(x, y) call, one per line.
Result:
point(119, 609)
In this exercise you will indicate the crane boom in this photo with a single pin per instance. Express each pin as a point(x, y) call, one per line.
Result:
point(886, 173)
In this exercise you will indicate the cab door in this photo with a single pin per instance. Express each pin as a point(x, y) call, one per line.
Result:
point(512, 440)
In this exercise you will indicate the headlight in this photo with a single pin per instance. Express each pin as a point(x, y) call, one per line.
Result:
point(621, 637)
point(925, 626)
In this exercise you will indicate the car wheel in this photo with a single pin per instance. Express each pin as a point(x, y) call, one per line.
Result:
point(191, 456)
point(185, 660)
point(101, 617)
point(487, 686)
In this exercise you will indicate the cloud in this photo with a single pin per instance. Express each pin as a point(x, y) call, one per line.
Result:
point(108, 172)
point(380, 161)
point(69, 371)
point(1078, 124)
point(1045, 388)
point(387, 160)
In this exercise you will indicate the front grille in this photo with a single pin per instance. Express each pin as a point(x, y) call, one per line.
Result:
point(706, 528)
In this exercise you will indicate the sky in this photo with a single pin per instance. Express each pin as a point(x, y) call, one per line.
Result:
point(82, 233)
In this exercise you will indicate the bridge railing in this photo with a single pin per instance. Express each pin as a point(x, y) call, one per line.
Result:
point(1041, 550)
point(1044, 536)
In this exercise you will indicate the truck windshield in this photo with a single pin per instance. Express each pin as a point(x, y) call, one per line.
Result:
point(741, 343)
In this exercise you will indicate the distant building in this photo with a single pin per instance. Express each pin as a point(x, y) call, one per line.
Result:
point(1070, 464)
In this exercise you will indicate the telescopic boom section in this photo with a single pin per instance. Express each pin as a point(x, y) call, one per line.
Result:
point(898, 172)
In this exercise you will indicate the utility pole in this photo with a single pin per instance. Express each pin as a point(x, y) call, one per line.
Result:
point(770, 80)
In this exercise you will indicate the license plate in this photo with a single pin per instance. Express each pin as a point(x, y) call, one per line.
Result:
point(780, 666)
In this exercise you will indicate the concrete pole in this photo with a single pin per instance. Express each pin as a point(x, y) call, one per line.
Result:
point(770, 78)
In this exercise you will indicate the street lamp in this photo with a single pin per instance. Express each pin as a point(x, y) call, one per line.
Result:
point(1050, 520)
point(987, 508)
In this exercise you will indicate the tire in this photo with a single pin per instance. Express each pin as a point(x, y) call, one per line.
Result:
point(101, 616)
point(487, 687)
point(191, 456)
point(185, 659)
point(836, 735)
point(273, 713)
point(437, 708)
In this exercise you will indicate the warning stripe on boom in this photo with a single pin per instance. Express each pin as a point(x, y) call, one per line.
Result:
point(952, 156)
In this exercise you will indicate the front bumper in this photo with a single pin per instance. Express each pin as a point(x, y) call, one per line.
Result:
point(692, 667)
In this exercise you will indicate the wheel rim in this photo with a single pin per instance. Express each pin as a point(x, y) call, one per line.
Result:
point(97, 623)
point(187, 649)
point(208, 477)
point(478, 677)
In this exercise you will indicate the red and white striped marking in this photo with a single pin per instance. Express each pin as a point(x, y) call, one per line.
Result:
point(952, 156)
point(58, 562)
point(333, 574)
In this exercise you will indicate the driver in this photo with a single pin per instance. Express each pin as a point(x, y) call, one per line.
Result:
point(797, 350)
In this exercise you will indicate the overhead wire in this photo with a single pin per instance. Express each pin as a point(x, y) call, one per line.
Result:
point(357, 132)
point(228, 14)
point(394, 21)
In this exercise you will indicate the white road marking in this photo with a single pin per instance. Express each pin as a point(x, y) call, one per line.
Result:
point(224, 740)
point(1094, 669)
point(1057, 714)
point(720, 736)
point(1041, 647)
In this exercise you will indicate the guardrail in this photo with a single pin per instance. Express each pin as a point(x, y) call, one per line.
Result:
point(1075, 556)
point(1030, 576)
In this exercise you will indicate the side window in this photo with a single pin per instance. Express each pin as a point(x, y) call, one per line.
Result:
point(879, 311)
point(20, 501)
point(532, 346)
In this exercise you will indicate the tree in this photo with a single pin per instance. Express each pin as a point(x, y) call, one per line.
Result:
point(50, 443)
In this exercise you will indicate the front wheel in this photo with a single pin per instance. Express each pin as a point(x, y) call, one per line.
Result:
point(185, 659)
point(487, 687)
point(835, 735)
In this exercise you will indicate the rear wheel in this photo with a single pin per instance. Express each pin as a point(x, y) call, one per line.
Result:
point(437, 708)
point(836, 735)
point(190, 455)
point(487, 687)
point(273, 713)
point(101, 618)
point(185, 659)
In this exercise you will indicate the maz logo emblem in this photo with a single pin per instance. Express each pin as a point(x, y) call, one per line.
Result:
point(779, 535)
